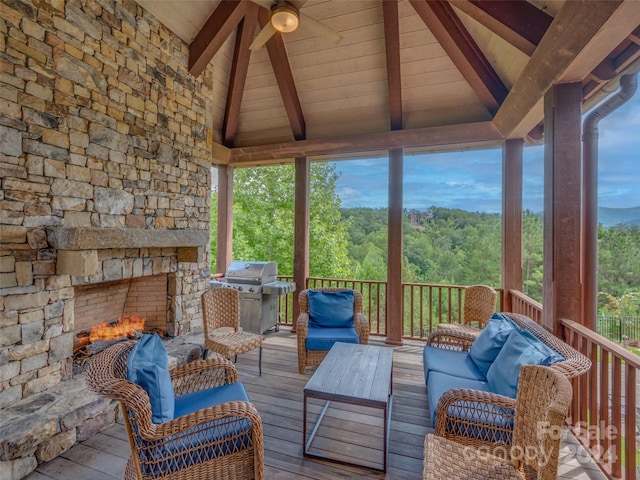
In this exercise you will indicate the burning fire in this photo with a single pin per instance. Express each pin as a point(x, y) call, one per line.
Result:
point(123, 327)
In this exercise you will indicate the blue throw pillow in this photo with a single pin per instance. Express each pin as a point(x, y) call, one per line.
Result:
point(331, 309)
point(486, 347)
point(148, 366)
point(521, 348)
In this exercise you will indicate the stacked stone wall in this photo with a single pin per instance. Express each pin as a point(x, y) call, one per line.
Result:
point(101, 126)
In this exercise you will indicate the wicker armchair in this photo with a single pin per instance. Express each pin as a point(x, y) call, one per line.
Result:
point(484, 419)
point(541, 406)
point(222, 331)
point(307, 357)
point(223, 441)
point(479, 304)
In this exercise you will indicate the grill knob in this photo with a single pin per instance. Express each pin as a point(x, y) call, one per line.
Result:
point(251, 289)
point(239, 289)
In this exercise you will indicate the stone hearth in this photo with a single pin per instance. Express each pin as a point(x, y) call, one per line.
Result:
point(105, 157)
point(43, 426)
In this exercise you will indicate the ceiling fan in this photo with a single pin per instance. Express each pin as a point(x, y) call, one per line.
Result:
point(286, 17)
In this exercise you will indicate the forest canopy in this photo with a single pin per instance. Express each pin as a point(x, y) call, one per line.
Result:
point(440, 245)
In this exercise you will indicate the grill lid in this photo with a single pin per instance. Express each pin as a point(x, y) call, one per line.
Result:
point(256, 273)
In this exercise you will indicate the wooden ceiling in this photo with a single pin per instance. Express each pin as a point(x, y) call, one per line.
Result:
point(414, 74)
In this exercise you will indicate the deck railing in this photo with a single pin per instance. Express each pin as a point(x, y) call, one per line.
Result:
point(524, 305)
point(604, 408)
point(425, 305)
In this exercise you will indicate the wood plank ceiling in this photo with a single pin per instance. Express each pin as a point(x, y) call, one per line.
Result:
point(416, 74)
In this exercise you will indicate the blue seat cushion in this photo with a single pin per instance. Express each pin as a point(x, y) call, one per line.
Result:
point(192, 402)
point(323, 338)
point(439, 383)
point(486, 347)
point(148, 366)
point(235, 429)
point(330, 309)
point(521, 348)
point(453, 362)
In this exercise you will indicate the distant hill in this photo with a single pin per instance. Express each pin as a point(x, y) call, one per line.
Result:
point(610, 217)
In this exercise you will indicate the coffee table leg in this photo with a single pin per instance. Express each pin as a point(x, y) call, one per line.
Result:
point(307, 444)
point(387, 431)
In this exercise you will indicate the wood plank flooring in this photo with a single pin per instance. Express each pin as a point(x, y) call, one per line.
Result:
point(347, 430)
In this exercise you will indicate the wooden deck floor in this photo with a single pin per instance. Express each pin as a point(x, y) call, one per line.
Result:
point(277, 395)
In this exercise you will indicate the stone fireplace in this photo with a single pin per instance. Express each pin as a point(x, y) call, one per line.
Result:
point(143, 298)
point(105, 156)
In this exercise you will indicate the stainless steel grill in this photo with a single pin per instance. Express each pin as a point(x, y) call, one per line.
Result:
point(259, 290)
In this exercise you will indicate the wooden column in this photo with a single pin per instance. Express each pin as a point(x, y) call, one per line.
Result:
point(224, 234)
point(511, 219)
point(301, 231)
point(562, 288)
point(394, 263)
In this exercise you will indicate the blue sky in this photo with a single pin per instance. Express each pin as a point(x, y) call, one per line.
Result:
point(472, 180)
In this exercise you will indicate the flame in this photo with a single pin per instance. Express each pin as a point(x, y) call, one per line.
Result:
point(123, 327)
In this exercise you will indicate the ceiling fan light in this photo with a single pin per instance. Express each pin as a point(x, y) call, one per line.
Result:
point(284, 18)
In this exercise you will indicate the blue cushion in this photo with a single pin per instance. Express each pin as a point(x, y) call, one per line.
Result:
point(148, 366)
point(235, 429)
point(192, 402)
point(324, 338)
point(486, 347)
point(330, 309)
point(440, 382)
point(453, 362)
point(521, 348)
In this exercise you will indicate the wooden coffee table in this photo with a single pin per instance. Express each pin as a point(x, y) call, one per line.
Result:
point(354, 374)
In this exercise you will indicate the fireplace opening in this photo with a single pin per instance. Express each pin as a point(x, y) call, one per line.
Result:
point(110, 312)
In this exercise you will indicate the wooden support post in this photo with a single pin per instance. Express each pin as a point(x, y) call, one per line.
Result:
point(394, 320)
point(301, 231)
point(511, 219)
point(562, 264)
point(225, 218)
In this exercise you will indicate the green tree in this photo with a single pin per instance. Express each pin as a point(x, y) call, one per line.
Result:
point(619, 259)
point(263, 213)
point(532, 233)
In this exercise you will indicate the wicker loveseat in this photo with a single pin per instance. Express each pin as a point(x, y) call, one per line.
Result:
point(463, 403)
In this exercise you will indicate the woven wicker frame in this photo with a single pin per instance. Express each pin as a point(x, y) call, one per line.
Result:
point(488, 408)
point(221, 319)
point(479, 304)
point(541, 406)
point(309, 358)
point(224, 441)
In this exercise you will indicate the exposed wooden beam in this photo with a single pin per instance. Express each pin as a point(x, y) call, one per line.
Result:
point(522, 24)
point(224, 19)
point(454, 38)
point(284, 77)
point(587, 31)
point(220, 154)
point(239, 68)
point(392, 44)
point(453, 136)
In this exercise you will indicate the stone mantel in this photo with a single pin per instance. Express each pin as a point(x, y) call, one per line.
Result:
point(93, 238)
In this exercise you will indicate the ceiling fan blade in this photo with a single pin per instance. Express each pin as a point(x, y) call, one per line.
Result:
point(263, 37)
point(319, 29)
point(264, 3)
